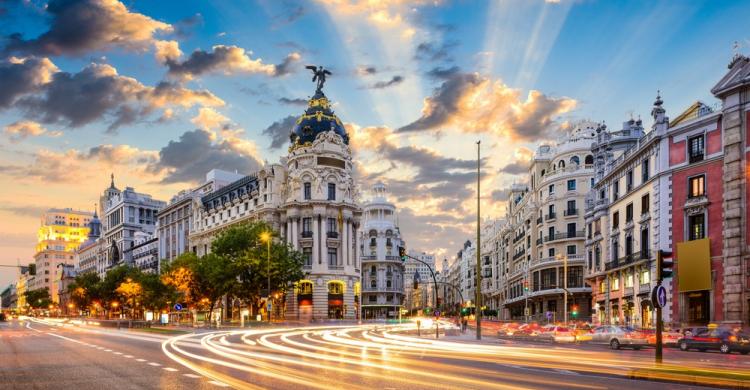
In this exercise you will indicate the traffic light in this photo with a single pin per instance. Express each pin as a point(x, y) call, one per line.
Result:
point(32, 269)
point(574, 311)
point(525, 285)
point(439, 301)
point(416, 284)
point(664, 265)
point(402, 253)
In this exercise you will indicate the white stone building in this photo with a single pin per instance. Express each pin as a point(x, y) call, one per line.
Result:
point(382, 269)
point(310, 198)
point(423, 296)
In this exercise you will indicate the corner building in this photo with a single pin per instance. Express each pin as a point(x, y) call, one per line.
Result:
point(310, 198)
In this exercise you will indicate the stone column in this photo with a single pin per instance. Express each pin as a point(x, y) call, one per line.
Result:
point(345, 243)
point(295, 232)
point(733, 205)
point(316, 241)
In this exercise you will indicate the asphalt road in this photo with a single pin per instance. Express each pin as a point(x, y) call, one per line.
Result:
point(43, 356)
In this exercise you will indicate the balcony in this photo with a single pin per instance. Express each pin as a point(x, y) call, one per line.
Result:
point(571, 212)
point(307, 234)
point(627, 260)
point(565, 235)
point(366, 258)
point(644, 288)
point(539, 241)
point(550, 216)
point(696, 157)
point(519, 237)
point(518, 255)
point(539, 221)
point(332, 234)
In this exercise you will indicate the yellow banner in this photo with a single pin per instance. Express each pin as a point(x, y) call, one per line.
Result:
point(693, 260)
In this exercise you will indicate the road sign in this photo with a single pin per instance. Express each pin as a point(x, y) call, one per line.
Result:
point(437, 313)
point(177, 306)
point(269, 306)
point(549, 315)
point(659, 296)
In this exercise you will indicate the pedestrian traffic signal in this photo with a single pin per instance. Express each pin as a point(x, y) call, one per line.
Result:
point(664, 265)
point(402, 253)
point(574, 311)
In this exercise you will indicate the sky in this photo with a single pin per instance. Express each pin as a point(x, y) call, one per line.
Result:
point(159, 94)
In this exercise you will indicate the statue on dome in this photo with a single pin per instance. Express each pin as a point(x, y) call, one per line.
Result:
point(319, 74)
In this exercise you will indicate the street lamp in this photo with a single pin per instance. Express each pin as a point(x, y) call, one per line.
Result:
point(114, 305)
point(266, 237)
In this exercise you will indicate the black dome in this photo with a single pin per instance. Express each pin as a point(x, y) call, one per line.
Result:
point(318, 118)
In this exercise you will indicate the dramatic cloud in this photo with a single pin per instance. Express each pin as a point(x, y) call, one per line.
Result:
point(395, 80)
point(18, 131)
point(364, 70)
point(293, 101)
point(188, 159)
point(95, 93)
point(209, 119)
point(21, 76)
point(279, 131)
point(473, 103)
point(32, 211)
point(428, 51)
point(516, 168)
point(443, 73)
point(81, 26)
point(227, 60)
point(501, 195)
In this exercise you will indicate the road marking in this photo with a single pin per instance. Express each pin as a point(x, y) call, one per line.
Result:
point(564, 371)
point(191, 376)
point(217, 383)
point(154, 364)
point(107, 350)
point(140, 360)
point(170, 369)
point(117, 353)
point(128, 356)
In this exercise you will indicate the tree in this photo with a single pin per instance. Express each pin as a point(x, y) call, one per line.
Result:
point(85, 289)
point(131, 293)
point(243, 247)
point(38, 298)
point(156, 295)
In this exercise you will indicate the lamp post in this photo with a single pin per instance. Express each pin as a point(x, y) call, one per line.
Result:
point(479, 248)
point(266, 237)
point(565, 287)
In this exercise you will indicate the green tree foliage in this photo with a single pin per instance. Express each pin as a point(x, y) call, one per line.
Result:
point(38, 298)
point(85, 289)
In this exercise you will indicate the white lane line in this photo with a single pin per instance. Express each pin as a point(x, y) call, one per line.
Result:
point(107, 350)
point(170, 369)
point(117, 353)
point(217, 383)
point(191, 376)
point(564, 371)
point(154, 364)
point(128, 356)
point(140, 360)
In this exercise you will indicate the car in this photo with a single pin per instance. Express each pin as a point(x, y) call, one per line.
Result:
point(725, 340)
point(691, 331)
point(618, 337)
point(559, 334)
point(669, 338)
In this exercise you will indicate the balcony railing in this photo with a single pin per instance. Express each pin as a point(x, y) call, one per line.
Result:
point(539, 241)
point(539, 220)
point(332, 234)
point(565, 235)
point(308, 234)
point(550, 216)
point(626, 260)
point(571, 212)
point(518, 255)
point(519, 237)
point(696, 157)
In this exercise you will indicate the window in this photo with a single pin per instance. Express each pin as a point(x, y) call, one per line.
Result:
point(372, 298)
point(697, 226)
point(697, 186)
point(551, 252)
point(571, 230)
point(628, 245)
point(336, 288)
point(308, 191)
point(551, 232)
point(645, 203)
point(307, 225)
point(645, 171)
point(551, 189)
point(307, 256)
point(591, 259)
point(616, 220)
point(629, 280)
point(571, 208)
point(615, 250)
point(615, 283)
point(388, 283)
point(629, 213)
point(629, 181)
point(597, 256)
point(602, 194)
point(645, 276)
point(571, 185)
point(696, 148)
point(331, 191)
point(615, 190)
point(602, 287)
point(332, 261)
point(571, 249)
point(331, 225)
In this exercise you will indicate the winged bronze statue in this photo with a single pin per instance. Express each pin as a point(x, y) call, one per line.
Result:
point(319, 75)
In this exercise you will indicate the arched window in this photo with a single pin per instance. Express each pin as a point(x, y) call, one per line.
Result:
point(389, 268)
point(305, 288)
point(373, 233)
point(335, 287)
point(373, 283)
point(589, 160)
point(373, 269)
point(543, 172)
point(561, 164)
point(575, 160)
point(389, 233)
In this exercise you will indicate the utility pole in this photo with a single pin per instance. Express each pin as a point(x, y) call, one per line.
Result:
point(565, 290)
point(478, 299)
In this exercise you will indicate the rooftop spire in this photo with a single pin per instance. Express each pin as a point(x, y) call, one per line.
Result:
point(112, 183)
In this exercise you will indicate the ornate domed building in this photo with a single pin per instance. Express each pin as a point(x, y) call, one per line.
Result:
point(309, 197)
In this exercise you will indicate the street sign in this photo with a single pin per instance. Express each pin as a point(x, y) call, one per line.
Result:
point(177, 307)
point(437, 313)
point(269, 306)
point(549, 315)
point(659, 296)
